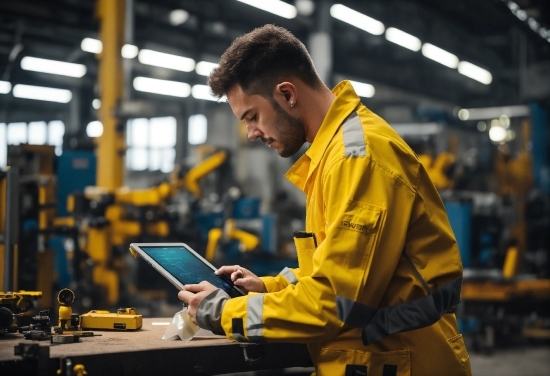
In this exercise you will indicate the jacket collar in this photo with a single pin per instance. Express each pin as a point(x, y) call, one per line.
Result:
point(346, 101)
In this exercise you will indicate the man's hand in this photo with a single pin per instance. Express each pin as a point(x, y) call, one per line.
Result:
point(243, 278)
point(193, 296)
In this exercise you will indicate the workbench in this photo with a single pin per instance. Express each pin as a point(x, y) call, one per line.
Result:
point(501, 308)
point(143, 352)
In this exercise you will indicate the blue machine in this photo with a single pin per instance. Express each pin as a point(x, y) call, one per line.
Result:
point(540, 123)
point(75, 171)
point(460, 217)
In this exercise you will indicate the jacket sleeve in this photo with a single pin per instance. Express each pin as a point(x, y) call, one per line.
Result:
point(286, 277)
point(306, 311)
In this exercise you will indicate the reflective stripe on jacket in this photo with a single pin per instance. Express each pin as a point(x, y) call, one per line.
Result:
point(383, 251)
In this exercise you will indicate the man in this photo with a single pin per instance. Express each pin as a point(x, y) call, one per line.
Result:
point(379, 269)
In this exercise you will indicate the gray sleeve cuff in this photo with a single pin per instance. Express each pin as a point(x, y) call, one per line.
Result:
point(209, 313)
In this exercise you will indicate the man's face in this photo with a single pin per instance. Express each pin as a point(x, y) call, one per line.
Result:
point(267, 120)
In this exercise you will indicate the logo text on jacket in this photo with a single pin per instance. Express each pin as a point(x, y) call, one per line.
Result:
point(354, 226)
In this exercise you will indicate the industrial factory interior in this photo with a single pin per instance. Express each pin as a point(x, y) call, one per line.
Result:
point(275, 187)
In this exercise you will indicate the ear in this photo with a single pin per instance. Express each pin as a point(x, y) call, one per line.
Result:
point(286, 91)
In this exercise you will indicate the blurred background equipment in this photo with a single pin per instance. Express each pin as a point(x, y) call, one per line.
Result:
point(109, 135)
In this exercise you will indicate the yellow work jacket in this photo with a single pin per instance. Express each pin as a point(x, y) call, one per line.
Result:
point(375, 281)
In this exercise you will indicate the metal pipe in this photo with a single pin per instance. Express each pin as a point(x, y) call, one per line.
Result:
point(110, 145)
point(128, 39)
point(12, 226)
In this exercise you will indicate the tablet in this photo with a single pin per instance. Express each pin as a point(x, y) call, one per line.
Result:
point(181, 265)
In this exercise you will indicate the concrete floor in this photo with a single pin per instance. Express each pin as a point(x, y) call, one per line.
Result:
point(522, 361)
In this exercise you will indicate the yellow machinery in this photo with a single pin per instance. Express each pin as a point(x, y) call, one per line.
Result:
point(514, 178)
point(13, 305)
point(438, 167)
point(113, 227)
point(247, 241)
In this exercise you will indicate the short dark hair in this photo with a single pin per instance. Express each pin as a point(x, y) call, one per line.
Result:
point(258, 59)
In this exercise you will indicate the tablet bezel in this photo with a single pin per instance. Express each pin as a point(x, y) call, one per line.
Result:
point(165, 273)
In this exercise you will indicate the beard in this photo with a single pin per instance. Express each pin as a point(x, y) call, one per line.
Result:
point(291, 132)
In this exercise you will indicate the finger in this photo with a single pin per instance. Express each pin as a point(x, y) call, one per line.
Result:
point(228, 269)
point(186, 296)
point(194, 287)
point(239, 273)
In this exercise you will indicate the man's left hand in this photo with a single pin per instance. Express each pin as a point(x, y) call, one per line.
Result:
point(193, 296)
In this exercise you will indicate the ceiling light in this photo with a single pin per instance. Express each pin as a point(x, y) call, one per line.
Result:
point(363, 90)
point(129, 51)
point(91, 45)
point(160, 59)
point(403, 39)
point(94, 129)
point(497, 112)
point(280, 8)
point(482, 126)
point(359, 20)
point(475, 72)
point(53, 67)
point(504, 121)
point(533, 24)
point(178, 17)
point(164, 87)
point(439, 55)
point(305, 7)
point(203, 92)
point(204, 68)
point(42, 93)
point(5, 87)
point(497, 134)
point(521, 14)
point(96, 103)
point(464, 114)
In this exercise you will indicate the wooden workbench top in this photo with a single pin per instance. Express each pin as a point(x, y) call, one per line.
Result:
point(144, 352)
point(147, 338)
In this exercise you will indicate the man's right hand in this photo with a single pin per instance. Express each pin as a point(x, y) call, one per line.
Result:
point(243, 278)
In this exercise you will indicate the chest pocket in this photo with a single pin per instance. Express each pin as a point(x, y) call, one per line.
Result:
point(306, 244)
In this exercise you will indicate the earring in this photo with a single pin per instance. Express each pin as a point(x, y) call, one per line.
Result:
point(292, 104)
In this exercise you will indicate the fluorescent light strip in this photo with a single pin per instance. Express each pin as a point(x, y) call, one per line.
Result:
point(42, 93)
point(203, 92)
point(475, 72)
point(403, 39)
point(417, 129)
point(440, 55)
point(280, 8)
point(362, 89)
point(496, 112)
point(5, 87)
point(204, 68)
point(52, 67)
point(160, 59)
point(91, 45)
point(163, 87)
point(359, 20)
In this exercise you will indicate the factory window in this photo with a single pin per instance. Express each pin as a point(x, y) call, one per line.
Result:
point(198, 129)
point(34, 133)
point(151, 144)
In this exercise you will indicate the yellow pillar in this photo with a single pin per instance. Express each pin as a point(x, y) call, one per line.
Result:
point(110, 145)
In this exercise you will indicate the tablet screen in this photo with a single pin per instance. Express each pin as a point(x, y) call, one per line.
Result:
point(187, 268)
